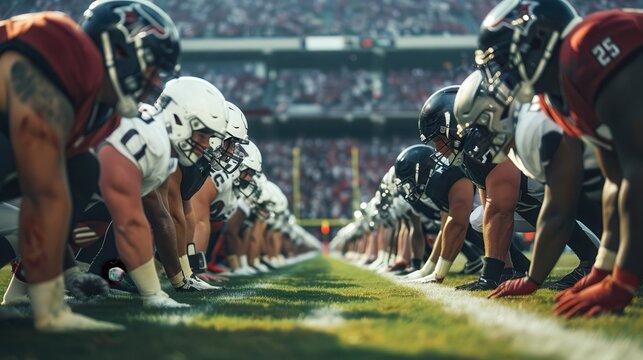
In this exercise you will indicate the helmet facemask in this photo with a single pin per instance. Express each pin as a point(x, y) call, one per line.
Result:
point(228, 155)
point(483, 112)
point(523, 38)
point(139, 43)
point(242, 185)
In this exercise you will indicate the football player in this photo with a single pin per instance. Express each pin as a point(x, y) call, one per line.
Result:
point(502, 190)
point(217, 200)
point(141, 149)
point(60, 85)
point(543, 153)
point(188, 179)
point(580, 69)
point(419, 176)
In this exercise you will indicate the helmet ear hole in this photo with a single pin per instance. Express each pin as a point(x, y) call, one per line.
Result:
point(177, 120)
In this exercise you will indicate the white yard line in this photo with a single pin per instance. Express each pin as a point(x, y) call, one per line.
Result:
point(323, 318)
point(528, 331)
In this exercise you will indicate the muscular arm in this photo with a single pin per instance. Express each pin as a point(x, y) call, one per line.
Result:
point(155, 205)
point(455, 227)
point(120, 185)
point(176, 211)
point(40, 118)
point(190, 222)
point(417, 237)
point(233, 230)
point(557, 216)
point(611, 169)
point(201, 208)
point(502, 191)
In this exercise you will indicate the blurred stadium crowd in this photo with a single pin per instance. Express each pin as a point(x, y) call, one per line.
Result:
point(284, 18)
point(326, 170)
point(338, 90)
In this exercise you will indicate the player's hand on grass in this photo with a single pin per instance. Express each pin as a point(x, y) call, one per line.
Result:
point(612, 294)
point(595, 276)
point(515, 287)
point(83, 286)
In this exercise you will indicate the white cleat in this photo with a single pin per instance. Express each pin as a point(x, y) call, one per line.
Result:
point(261, 267)
point(238, 272)
point(65, 321)
point(16, 293)
point(201, 285)
point(161, 300)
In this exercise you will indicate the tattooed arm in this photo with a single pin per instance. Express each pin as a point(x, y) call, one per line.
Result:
point(40, 117)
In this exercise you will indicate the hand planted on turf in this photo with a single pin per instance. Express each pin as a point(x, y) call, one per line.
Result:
point(604, 296)
point(515, 287)
point(82, 285)
point(595, 276)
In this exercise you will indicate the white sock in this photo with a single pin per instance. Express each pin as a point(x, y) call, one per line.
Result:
point(177, 280)
point(243, 261)
point(605, 259)
point(428, 268)
point(48, 300)
point(145, 278)
point(442, 268)
point(185, 266)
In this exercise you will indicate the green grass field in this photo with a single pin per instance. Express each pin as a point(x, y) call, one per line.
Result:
point(321, 308)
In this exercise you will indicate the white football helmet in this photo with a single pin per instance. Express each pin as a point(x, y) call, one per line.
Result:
point(271, 201)
point(187, 105)
point(250, 167)
point(236, 134)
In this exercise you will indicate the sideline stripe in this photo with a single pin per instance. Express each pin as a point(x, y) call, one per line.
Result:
point(528, 331)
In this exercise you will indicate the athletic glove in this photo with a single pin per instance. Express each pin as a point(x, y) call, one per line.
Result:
point(612, 294)
point(595, 276)
point(515, 287)
point(82, 285)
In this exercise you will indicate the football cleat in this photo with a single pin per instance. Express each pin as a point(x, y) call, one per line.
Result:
point(398, 266)
point(16, 293)
point(215, 268)
point(202, 285)
point(573, 277)
point(481, 284)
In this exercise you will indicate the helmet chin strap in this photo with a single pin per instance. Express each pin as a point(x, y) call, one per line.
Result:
point(126, 104)
point(526, 89)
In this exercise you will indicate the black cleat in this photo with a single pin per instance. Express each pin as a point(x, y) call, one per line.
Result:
point(481, 284)
point(570, 279)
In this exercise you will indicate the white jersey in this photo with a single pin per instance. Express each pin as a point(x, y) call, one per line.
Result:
point(225, 203)
point(536, 141)
point(146, 144)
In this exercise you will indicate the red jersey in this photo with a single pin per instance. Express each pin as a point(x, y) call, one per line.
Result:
point(589, 54)
point(62, 51)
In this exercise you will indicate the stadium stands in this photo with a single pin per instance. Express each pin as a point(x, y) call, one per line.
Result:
point(287, 18)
